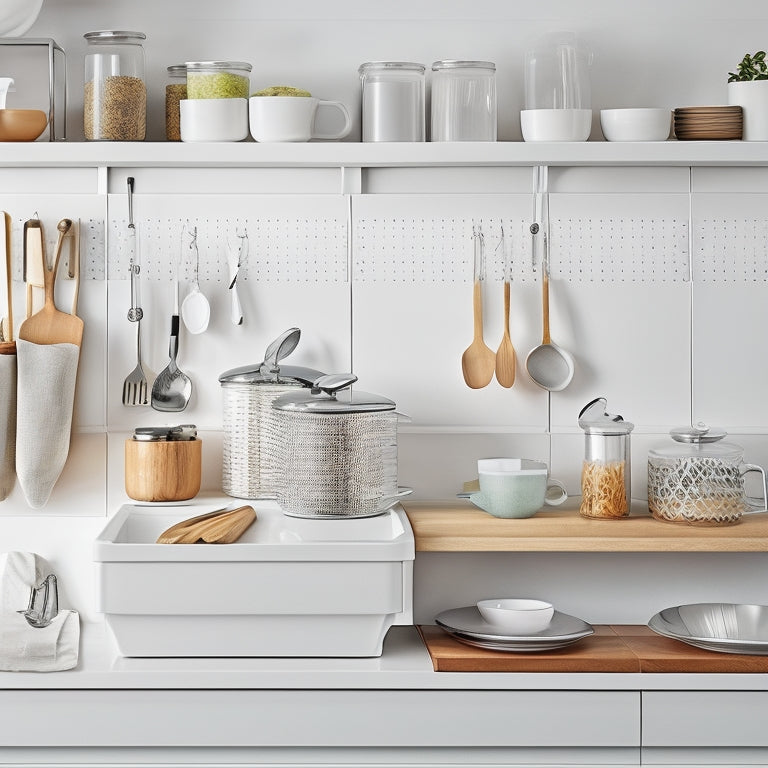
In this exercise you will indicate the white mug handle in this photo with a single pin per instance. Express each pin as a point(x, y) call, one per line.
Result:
point(554, 500)
point(347, 121)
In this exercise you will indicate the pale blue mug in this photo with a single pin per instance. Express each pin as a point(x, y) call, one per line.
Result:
point(515, 488)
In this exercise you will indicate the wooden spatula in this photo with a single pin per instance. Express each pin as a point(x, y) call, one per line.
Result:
point(50, 325)
point(219, 527)
point(7, 344)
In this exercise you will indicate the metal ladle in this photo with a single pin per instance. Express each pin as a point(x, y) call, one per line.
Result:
point(548, 365)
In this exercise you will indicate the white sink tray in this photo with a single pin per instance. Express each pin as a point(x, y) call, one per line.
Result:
point(287, 587)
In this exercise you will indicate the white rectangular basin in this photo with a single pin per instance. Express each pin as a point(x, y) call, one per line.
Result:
point(287, 587)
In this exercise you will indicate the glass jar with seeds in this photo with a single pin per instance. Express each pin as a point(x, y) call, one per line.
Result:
point(175, 92)
point(218, 79)
point(115, 94)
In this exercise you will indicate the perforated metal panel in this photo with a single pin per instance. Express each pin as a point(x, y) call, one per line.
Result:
point(731, 250)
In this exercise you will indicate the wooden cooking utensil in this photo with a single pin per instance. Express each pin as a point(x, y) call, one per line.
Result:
point(50, 325)
point(505, 355)
point(479, 360)
point(7, 344)
point(220, 527)
point(34, 264)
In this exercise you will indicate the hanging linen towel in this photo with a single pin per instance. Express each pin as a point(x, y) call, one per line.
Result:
point(7, 423)
point(24, 648)
point(45, 394)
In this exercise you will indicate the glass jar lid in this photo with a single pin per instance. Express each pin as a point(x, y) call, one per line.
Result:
point(399, 66)
point(461, 64)
point(595, 420)
point(332, 395)
point(112, 35)
point(700, 441)
point(177, 70)
point(697, 433)
point(196, 66)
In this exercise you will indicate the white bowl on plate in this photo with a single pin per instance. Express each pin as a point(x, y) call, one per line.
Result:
point(516, 615)
point(636, 124)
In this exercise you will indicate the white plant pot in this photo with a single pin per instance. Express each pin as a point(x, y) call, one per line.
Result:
point(556, 124)
point(752, 97)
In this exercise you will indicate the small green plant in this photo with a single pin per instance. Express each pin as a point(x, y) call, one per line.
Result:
point(750, 68)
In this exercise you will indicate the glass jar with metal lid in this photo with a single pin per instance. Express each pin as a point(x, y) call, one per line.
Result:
point(218, 79)
point(699, 479)
point(464, 101)
point(175, 92)
point(337, 449)
point(249, 462)
point(606, 471)
point(393, 101)
point(115, 94)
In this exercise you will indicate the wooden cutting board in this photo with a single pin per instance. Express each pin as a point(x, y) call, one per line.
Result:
point(614, 648)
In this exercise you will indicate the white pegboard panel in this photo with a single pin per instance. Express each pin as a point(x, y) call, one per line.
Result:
point(280, 248)
point(731, 250)
point(438, 249)
point(619, 249)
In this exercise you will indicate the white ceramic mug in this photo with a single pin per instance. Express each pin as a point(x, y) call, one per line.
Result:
point(516, 487)
point(213, 119)
point(291, 118)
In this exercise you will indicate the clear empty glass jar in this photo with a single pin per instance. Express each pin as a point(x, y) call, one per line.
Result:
point(393, 101)
point(464, 101)
point(175, 92)
point(115, 94)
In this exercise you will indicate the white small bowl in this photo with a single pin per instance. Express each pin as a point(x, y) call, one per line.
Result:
point(213, 119)
point(636, 124)
point(516, 615)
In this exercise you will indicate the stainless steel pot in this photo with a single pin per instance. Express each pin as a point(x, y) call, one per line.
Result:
point(337, 449)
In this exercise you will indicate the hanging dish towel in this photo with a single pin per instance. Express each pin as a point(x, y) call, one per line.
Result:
point(45, 395)
point(24, 648)
point(7, 423)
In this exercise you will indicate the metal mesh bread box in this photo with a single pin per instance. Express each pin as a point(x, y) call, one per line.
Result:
point(288, 587)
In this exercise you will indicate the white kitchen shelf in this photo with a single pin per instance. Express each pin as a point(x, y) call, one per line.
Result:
point(370, 155)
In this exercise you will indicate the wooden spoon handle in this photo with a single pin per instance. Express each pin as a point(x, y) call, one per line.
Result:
point(545, 337)
point(477, 310)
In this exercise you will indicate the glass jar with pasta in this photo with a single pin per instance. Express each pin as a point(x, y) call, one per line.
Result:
point(605, 474)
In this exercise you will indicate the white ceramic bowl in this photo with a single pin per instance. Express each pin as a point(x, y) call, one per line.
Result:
point(213, 119)
point(516, 615)
point(556, 124)
point(636, 124)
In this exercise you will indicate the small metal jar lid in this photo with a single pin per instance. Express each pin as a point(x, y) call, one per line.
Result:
point(261, 374)
point(697, 433)
point(595, 420)
point(460, 64)
point(161, 434)
point(113, 34)
point(331, 395)
point(177, 70)
point(193, 66)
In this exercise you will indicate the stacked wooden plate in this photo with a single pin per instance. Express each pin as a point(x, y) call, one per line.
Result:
point(708, 123)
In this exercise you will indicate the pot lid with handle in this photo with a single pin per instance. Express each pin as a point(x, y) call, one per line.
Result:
point(702, 441)
point(270, 371)
point(594, 419)
point(333, 394)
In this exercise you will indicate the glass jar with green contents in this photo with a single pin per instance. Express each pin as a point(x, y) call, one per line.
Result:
point(218, 79)
point(175, 91)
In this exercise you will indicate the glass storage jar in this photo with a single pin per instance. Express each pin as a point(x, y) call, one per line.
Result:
point(175, 91)
point(115, 94)
point(605, 474)
point(218, 79)
point(463, 101)
point(699, 479)
point(393, 101)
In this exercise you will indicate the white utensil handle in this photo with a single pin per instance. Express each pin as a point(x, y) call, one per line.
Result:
point(236, 313)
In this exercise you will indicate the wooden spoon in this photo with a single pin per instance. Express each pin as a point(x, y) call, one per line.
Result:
point(50, 325)
point(219, 527)
point(478, 361)
point(505, 356)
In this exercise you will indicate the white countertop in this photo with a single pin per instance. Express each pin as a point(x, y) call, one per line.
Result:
point(404, 665)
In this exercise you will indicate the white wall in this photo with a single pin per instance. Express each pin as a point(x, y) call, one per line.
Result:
point(661, 351)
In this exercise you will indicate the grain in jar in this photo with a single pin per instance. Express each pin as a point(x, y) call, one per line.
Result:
point(115, 94)
point(218, 79)
point(175, 92)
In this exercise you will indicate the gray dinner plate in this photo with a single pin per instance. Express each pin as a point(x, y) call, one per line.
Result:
point(468, 623)
point(517, 646)
point(721, 627)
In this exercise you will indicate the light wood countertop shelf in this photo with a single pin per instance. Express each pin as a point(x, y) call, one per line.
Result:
point(457, 526)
